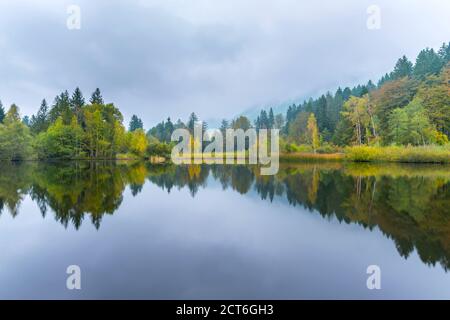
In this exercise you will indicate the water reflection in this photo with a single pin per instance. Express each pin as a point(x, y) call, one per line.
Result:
point(409, 204)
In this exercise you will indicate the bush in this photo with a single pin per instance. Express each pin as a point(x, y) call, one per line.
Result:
point(292, 147)
point(160, 149)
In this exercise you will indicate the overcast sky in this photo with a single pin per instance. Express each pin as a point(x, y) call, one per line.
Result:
point(159, 58)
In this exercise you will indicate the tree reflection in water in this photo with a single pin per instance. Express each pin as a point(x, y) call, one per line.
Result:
point(409, 204)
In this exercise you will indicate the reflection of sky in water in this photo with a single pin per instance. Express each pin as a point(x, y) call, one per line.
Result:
point(219, 244)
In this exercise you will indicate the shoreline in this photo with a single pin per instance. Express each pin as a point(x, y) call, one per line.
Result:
point(355, 154)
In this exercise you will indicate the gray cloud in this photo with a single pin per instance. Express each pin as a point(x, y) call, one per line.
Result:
point(167, 58)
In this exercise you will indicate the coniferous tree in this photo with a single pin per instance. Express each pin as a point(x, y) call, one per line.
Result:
point(168, 130)
point(321, 113)
point(26, 121)
point(258, 123)
point(40, 121)
point(77, 100)
point(224, 126)
point(427, 62)
point(96, 97)
point(264, 120)
point(346, 93)
point(403, 68)
point(370, 86)
point(279, 121)
point(193, 119)
point(444, 53)
point(61, 108)
point(271, 120)
point(384, 79)
point(179, 124)
point(2, 112)
point(135, 123)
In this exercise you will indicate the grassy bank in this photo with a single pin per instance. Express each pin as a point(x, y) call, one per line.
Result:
point(409, 154)
point(401, 154)
point(310, 156)
point(391, 154)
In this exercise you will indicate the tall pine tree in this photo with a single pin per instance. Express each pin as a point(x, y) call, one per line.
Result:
point(135, 123)
point(40, 122)
point(427, 62)
point(2, 112)
point(403, 68)
point(96, 97)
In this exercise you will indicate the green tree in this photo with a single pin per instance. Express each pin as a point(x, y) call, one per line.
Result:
point(398, 126)
point(435, 96)
point(61, 108)
point(135, 123)
point(40, 121)
point(297, 128)
point(26, 121)
point(403, 68)
point(391, 95)
point(263, 120)
point(421, 131)
point(95, 141)
point(137, 142)
point(193, 119)
point(60, 141)
point(444, 53)
point(343, 134)
point(355, 110)
point(313, 132)
point(77, 100)
point(15, 138)
point(2, 112)
point(271, 119)
point(96, 97)
point(427, 62)
point(77, 103)
point(241, 122)
point(279, 121)
point(224, 126)
point(168, 130)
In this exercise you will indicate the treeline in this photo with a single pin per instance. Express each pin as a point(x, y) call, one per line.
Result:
point(70, 129)
point(408, 106)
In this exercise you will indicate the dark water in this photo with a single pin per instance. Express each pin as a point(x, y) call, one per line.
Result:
point(178, 232)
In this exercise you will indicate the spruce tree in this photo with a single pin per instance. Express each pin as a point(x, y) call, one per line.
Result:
point(2, 112)
point(271, 120)
point(168, 130)
point(403, 68)
point(192, 121)
point(77, 100)
point(40, 122)
point(427, 62)
point(26, 121)
point(135, 123)
point(444, 53)
point(96, 97)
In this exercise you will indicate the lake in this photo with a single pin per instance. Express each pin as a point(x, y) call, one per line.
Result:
point(224, 232)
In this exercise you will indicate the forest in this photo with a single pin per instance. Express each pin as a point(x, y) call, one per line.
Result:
point(410, 106)
point(407, 110)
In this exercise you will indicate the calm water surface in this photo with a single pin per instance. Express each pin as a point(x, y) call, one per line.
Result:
point(205, 232)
